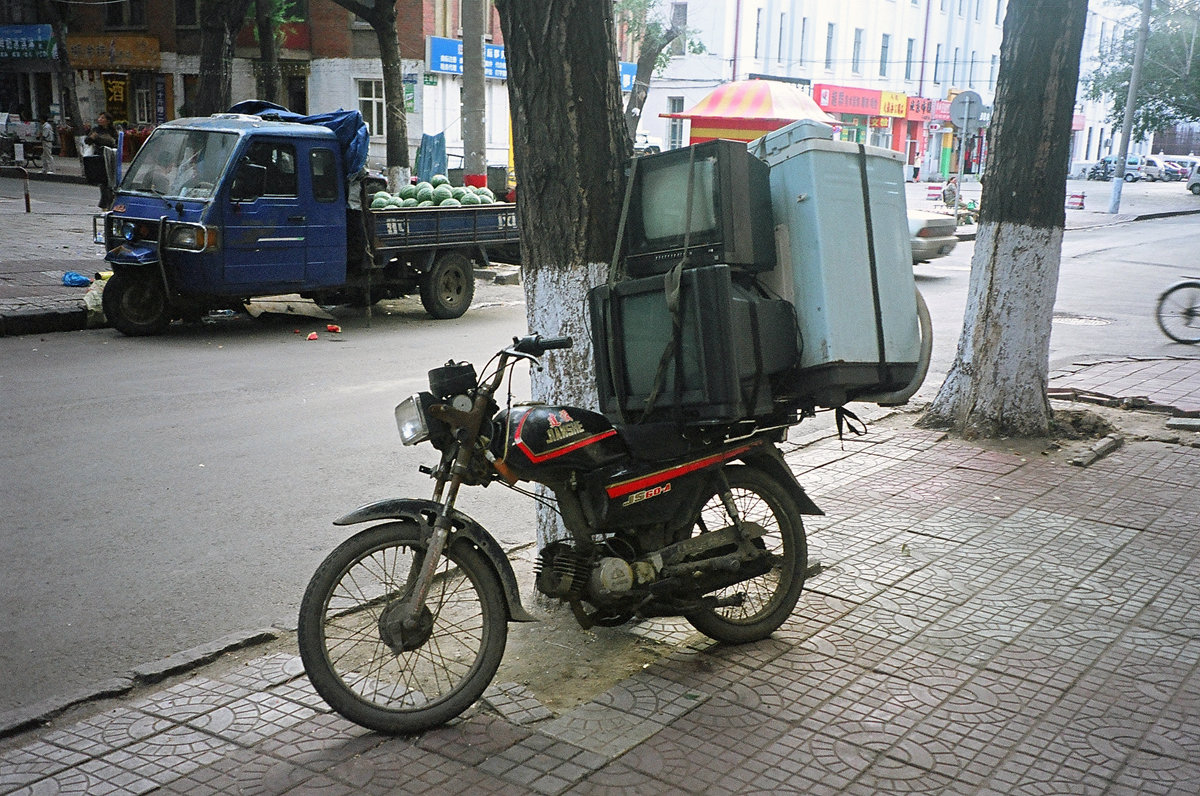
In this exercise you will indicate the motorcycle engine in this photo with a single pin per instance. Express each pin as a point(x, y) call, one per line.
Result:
point(563, 572)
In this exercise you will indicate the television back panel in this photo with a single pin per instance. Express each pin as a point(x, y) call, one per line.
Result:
point(851, 347)
point(732, 341)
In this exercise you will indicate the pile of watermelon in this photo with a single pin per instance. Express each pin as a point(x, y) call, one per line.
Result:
point(438, 192)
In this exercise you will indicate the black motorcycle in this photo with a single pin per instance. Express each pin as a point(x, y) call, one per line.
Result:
point(403, 625)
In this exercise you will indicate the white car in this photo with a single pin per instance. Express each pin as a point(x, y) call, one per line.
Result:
point(932, 235)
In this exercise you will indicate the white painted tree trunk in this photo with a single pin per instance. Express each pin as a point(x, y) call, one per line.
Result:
point(556, 305)
point(997, 383)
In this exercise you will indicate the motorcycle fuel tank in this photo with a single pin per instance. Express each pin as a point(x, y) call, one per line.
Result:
point(545, 443)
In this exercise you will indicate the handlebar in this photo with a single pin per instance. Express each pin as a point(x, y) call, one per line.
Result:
point(536, 345)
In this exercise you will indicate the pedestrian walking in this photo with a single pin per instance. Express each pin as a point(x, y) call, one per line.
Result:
point(104, 134)
point(47, 136)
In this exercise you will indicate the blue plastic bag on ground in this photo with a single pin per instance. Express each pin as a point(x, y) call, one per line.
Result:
point(75, 279)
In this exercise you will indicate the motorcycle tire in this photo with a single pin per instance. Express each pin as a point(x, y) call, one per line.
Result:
point(353, 660)
point(769, 599)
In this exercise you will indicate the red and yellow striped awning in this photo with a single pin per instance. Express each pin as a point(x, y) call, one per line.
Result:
point(747, 109)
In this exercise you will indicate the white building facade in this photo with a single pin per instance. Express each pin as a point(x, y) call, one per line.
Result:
point(886, 69)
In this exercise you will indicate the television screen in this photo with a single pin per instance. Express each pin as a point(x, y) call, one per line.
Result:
point(730, 216)
point(664, 201)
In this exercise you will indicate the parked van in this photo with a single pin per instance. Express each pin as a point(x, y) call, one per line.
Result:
point(1105, 168)
point(1159, 167)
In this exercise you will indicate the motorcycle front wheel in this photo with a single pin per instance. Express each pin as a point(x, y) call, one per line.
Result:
point(370, 670)
point(768, 600)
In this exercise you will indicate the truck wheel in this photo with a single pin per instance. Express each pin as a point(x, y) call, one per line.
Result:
point(135, 304)
point(447, 290)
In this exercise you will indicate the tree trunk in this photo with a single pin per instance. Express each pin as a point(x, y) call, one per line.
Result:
point(268, 51)
point(570, 148)
point(381, 14)
point(220, 21)
point(647, 58)
point(997, 383)
point(62, 66)
point(384, 23)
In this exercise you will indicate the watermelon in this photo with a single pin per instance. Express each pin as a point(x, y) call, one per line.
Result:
point(424, 192)
point(379, 202)
point(450, 202)
point(442, 192)
point(439, 179)
point(425, 203)
point(409, 202)
point(469, 198)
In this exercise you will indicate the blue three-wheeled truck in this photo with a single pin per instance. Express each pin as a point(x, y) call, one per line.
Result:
point(215, 211)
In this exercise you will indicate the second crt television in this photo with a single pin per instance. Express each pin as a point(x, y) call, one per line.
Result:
point(728, 222)
point(733, 342)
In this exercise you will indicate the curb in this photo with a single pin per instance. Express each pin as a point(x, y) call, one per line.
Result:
point(40, 321)
point(21, 719)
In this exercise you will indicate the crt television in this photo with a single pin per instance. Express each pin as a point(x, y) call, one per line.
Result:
point(733, 340)
point(730, 220)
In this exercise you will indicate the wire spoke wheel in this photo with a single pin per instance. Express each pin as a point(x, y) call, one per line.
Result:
point(386, 674)
point(765, 602)
point(1178, 313)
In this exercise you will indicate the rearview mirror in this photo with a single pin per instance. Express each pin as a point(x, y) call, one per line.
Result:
point(248, 183)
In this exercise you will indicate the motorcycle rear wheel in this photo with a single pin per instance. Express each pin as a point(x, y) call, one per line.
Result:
point(770, 598)
point(342, 631)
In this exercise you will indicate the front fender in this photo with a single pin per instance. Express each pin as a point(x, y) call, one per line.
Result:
point(421, 511)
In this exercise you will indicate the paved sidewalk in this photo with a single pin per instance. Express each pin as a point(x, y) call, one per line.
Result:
point(986, 620)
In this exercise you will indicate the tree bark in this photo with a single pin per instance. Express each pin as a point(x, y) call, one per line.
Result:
point(381, 14)
point(570, 147)
point(220, 21)
point(62, 66)
point(268, 51)
point(997, 383)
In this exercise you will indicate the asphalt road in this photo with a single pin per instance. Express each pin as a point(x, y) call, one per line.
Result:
point(161, 493)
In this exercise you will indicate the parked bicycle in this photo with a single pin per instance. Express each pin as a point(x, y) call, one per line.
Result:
point(1178, 311)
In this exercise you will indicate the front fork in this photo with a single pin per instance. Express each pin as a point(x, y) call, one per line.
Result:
point(410, 612)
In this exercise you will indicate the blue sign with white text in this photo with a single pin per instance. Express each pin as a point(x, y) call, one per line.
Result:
point(446, 56)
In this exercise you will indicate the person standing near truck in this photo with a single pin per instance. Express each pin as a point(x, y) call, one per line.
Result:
point(104, 134)
point(47, 136)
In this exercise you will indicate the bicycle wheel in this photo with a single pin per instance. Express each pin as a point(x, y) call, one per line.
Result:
point(766, 601)
point(1178, 312)
point(364, 665)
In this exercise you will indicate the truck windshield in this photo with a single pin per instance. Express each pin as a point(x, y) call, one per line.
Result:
point(184, 164)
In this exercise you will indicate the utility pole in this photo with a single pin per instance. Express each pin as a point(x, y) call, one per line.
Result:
point(1135, 76)
point(473, 96)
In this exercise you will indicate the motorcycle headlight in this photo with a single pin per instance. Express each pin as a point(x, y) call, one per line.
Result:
point(411, 420)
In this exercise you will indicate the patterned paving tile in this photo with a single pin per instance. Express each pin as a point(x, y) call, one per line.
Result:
point(191, 698)
point(92, 778)
point(110, 730)
point(167, 756)
point(699, 749)
point(542, 764)
point(320, 742)
point(253, 719)
point(473, 740)
point(34, 761)
point(601, 729)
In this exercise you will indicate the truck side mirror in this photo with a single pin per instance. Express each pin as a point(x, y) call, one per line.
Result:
point(248, 183)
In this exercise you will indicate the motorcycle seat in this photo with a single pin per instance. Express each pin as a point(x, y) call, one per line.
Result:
point(657, 442)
